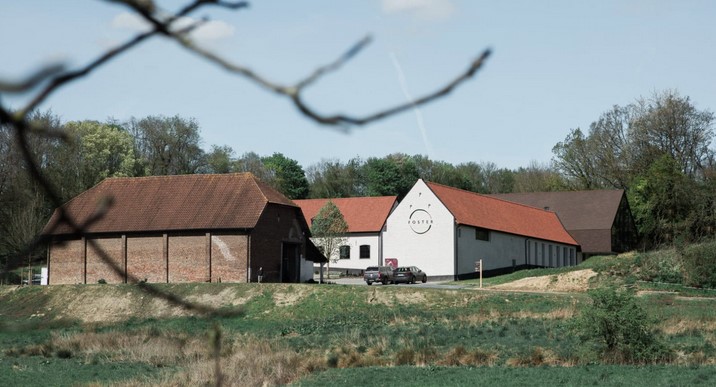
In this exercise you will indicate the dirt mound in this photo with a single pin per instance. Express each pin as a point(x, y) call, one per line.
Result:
point(574, 281)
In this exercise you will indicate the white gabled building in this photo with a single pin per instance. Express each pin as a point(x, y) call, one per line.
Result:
point(445, 231)
point(366, 217)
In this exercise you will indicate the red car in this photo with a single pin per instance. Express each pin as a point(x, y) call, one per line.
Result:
point(409, 274)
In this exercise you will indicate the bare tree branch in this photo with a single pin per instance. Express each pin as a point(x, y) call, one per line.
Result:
point(32, 80)
point(321, 71)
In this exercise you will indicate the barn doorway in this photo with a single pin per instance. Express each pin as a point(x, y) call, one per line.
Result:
point(290, 257)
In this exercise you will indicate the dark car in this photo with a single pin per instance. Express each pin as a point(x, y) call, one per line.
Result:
point(382, 274)
point(409, 274)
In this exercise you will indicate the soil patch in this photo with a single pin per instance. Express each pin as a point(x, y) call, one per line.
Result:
point(574, 281)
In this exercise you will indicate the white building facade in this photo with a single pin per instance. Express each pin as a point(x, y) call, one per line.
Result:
point(362, 246)
point(446, 232)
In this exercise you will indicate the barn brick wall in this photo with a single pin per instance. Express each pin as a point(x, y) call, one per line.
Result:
point(98, 268)
point(187, 255)
point(145, 258)
point(228, 258)
point(66, 262)
point(188, 261)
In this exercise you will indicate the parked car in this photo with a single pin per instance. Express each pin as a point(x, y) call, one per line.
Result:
point(36, 279)
point(382, 274)
point(409, 274)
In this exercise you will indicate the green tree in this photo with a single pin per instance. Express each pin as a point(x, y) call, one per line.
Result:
point(100, 151)
point(393, 175)
point(167, 145)
point(333, 179)
point(220, 159)
point(329, 229)
point(662, 200)
point(288, 176)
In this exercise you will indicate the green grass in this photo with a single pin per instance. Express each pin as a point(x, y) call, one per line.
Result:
point(360, 326)
point(35, 371)
point(651, 376)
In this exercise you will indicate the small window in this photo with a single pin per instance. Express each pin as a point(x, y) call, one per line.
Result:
point(482, 234)
point(364, 251)
point(345, 252)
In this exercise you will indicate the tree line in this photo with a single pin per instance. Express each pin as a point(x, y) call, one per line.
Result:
point(657, 149)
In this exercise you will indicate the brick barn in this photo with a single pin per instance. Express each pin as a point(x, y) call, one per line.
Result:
point(184, 228)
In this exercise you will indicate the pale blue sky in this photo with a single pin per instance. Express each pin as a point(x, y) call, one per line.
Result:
point(556, 65)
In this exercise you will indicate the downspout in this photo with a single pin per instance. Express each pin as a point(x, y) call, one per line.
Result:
point(455, 268)
point(248, 257)
point(49, 256)
point(527, 253)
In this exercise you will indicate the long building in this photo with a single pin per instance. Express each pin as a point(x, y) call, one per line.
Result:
point(447, 231)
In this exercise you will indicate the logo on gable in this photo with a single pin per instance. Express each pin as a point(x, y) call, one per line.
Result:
point(420, 221)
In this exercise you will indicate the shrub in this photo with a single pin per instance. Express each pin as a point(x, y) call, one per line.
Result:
point(620, 328)
point(660, 266)
point(699, 265)
point(102, 281)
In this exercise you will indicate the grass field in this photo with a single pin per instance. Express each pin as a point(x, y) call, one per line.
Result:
point(338, 334)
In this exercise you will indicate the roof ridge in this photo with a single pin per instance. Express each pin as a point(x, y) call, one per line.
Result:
point(491, 197)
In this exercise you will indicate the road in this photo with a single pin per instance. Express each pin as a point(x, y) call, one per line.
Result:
point(359, 281)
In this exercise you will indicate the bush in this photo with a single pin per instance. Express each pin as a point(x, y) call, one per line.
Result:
point(620, 329)
point(699, 265)
point(660, 266)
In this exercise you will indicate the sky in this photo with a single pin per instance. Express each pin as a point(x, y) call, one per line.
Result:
point(556, 66)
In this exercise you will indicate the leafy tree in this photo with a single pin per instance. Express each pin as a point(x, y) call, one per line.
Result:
point(573, 158)
point(333, 179)
point(252, 163)
point(392, 175)
point(289, 177)
point(100, 151)
point(219, 160)
point(662, 200)
point(537, 178)
point(625, 141)
point(329, 229)
point(668, 124)
point(167, 145)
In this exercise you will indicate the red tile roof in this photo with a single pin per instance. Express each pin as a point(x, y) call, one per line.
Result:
point(477, 210)
point(170, 203)
point(364, 214)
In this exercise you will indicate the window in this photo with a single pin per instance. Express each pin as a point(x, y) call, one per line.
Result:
point(550, 255)
point(482, 234)
point(344, 252)
point(364, 251)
